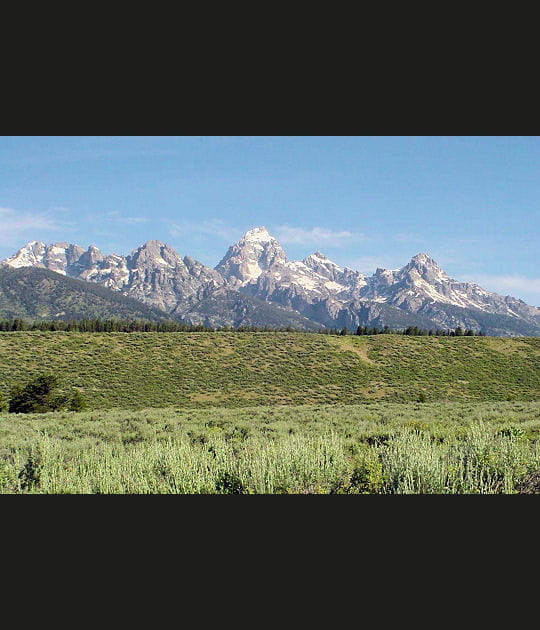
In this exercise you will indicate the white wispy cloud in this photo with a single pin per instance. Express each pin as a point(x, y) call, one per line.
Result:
point(130, 220)
point(214, 227)
point(116, 217)
point(406, 237)
point(507, 284)
point(16, 225)
point(290, 235)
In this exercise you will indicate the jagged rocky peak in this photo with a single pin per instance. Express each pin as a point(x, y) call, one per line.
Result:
point(57, 256)
point(195, 266)
point(90, 257)
point(254, 253)
point(426, 268)
point(204, 274)
point(259, 242)
point(384, 277)
point(28, 255)
point(423, 260)
point(319, 259)
point(33, 246)
point(155, 254)
point(323, 266)
point(62, 257)
point(73, 253)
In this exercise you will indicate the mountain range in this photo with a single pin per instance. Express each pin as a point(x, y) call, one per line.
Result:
point(256, 284)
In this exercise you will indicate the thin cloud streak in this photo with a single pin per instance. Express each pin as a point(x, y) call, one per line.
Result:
point(130, 220)
point(406, 237)
point(507, 285)
point(214, 227)
point(290, 235)
point(115, 217)
point(16, 226)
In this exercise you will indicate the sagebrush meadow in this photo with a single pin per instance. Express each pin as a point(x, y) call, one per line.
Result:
point(381, 448)
point(292, 315)
point(139, 370)
point(250, 413)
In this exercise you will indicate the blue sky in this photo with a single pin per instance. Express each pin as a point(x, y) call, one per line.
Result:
point(471, 203)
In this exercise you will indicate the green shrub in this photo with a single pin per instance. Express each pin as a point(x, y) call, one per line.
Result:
point(29, 475)
point(229, 483)
point(367, 477)
point(512, 431)
point(76, 402)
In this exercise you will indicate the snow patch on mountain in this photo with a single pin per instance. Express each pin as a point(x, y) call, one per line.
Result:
point(258, 235)
point(30, 255)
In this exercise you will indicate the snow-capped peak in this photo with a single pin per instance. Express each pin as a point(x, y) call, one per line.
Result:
point(423, 266)
point(29, 255)
point(320, 259)
point(153, 243)
point(423, 259)
point(259, 234)
point(254, 253)
point(32, 245)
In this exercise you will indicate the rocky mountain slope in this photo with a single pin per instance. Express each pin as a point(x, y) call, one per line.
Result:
point(153, 283)
point(255, 277)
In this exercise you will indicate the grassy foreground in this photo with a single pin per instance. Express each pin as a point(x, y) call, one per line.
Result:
point(378, 448)
point(194, 370)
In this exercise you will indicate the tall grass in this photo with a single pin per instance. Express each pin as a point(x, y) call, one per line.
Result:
point(298, 464)
point(480, 458)
point(479, 462)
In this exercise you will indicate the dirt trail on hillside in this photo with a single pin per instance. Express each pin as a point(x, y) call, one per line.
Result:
point(360, 349)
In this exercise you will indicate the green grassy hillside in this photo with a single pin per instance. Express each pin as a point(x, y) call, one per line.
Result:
point(192, 370)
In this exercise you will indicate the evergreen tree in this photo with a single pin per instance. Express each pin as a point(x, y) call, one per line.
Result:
point(38, 396)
